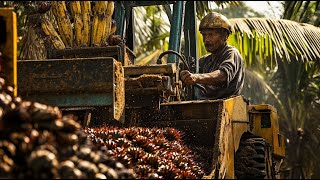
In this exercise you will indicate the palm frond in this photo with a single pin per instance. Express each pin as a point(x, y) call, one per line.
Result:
point(300, 40)
point(150, 28)
point(203, 7)
point(302, 11)
point(231, 3)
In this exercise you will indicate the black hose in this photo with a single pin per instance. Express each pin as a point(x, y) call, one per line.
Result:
point(176, 53)
point(202, 88)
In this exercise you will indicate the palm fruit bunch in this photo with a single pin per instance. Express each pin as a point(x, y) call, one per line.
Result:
point(37, 141)
point(153, 153)
point(79, 24)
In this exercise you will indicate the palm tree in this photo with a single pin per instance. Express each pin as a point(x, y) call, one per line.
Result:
point(282, 57)
point(305, 12)
point(302, 11)
point(152, 33)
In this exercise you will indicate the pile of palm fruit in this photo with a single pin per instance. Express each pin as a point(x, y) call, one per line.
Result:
point(37, 141)
point(152, 153)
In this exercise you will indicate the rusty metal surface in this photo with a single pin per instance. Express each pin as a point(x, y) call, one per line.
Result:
point(77, 100)
point(70, 83)
point(197, 120)
point(148, 85)
point(66, 76)
point(116, 52)
point(145, 92)
point(82, 83)
point(159, 76)
point(150, 69)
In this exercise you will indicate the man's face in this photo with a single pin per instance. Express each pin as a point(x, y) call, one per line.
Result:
point(213, 39)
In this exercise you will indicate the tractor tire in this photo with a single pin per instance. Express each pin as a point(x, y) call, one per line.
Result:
point(254, 160)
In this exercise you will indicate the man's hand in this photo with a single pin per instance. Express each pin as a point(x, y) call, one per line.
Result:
point(188, 78)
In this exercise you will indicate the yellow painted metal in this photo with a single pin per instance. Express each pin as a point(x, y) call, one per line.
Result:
point(9, 47)
point(271, 134)
point(238, 109)
point(233, 126)
point(235, 121)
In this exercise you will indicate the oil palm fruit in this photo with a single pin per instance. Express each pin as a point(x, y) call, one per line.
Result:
point(51, 35)
point(64, 24)
point(99, 22)
point(108, 26)
point(86, 18)
point(75, 8)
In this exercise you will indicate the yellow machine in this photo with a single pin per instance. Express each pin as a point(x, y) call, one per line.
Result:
point(8, 46)
point(236, 139)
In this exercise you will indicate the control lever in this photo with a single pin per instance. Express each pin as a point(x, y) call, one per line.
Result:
point(182, 58)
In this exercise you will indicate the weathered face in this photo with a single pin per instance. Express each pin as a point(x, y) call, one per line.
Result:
point(213, 39)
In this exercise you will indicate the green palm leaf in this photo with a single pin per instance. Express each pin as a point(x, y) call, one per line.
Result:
point(283, 37)
point(302, 11)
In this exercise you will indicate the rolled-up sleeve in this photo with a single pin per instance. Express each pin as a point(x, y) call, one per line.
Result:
point(231, 66)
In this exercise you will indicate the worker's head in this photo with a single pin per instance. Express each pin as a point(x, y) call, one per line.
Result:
point(215, 29)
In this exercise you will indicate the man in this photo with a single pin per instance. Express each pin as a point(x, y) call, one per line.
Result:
point(221, 72)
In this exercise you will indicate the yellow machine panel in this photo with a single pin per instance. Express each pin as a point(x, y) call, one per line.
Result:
point(8, 46)
point(265, 124)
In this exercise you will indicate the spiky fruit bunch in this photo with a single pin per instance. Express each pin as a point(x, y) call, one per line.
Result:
point(36, 141)
point(157, 153)
point(77, 24)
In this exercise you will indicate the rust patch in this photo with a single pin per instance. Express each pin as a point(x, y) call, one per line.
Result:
point(119, 90)
point(143, 81)
point(128, 56)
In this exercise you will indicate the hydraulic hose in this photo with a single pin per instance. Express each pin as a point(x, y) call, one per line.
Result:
point(183, 59)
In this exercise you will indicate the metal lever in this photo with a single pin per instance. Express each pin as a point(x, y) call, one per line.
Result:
point(202, 88)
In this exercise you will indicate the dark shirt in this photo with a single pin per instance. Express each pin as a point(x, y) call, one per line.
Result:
point(230, 61)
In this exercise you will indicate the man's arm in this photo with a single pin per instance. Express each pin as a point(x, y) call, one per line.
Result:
point(214, 78)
